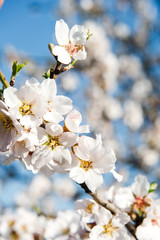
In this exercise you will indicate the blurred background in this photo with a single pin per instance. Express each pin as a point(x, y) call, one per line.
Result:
point(117, 88)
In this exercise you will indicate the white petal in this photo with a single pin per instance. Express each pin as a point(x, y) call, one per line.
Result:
point(49, 88)
point(68, 139)
point(117, 175)
point(141, 186)
point(63, 55)
point(78, 34)
point(103, 216)
point(11, 99)
point(61, 155)
point(93, 180)
point(77, 174)
point(53, 117)
point(53, 129)
point(80, 55)
point(62, 104)
point(62, 32)
point(120, 219)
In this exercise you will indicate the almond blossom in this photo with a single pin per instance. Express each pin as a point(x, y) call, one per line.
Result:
point(89, 161)
point(109, 227)
point(26, 104)
point(53, 149)
point(136, 197)
point(71, 43)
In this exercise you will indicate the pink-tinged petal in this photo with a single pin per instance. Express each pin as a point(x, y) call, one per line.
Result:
point(62, 104)
point(77, 174)
point(80, 55)
point(11, 99)
point(78, 34)
point(49, 89)
point(68, 139)
point(73, 120)
point(62, 54)
point(93, 180)
point(53, 129)
point(120, 219)
point(62, 32)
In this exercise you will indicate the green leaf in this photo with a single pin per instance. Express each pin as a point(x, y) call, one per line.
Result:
point(46, 74)
point(16, 68)
point(89, 35)
point(153, 187)
point(20, 66)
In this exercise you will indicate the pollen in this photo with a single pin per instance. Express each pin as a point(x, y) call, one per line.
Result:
point(109, 229)
point(86, 165)
point(26, 108)
point(6, 123)
point(53, 142)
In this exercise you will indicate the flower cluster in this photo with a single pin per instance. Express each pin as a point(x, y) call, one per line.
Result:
point(42, 130)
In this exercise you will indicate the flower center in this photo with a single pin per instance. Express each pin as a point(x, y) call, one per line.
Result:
point(109, 229)
point(89, 208)
point(140, 203)
point(53, 142)
point(26, 108)
point(6, 123)
point(73, 48)
point(86, 165)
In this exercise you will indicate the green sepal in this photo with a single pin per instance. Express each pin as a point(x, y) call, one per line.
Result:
point(153, 187)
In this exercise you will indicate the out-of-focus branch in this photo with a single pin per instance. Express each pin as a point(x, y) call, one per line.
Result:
point(109, 206)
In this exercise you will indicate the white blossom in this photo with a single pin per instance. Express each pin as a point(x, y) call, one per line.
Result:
point(71, 43)
point(90, 161)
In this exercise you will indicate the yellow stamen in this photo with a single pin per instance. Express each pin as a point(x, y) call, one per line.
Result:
point(109, 229)
point(26, 108)
point(53, 142)
point(86, 165)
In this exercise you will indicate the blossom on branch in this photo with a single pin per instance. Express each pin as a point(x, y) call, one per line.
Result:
point(71, 43)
